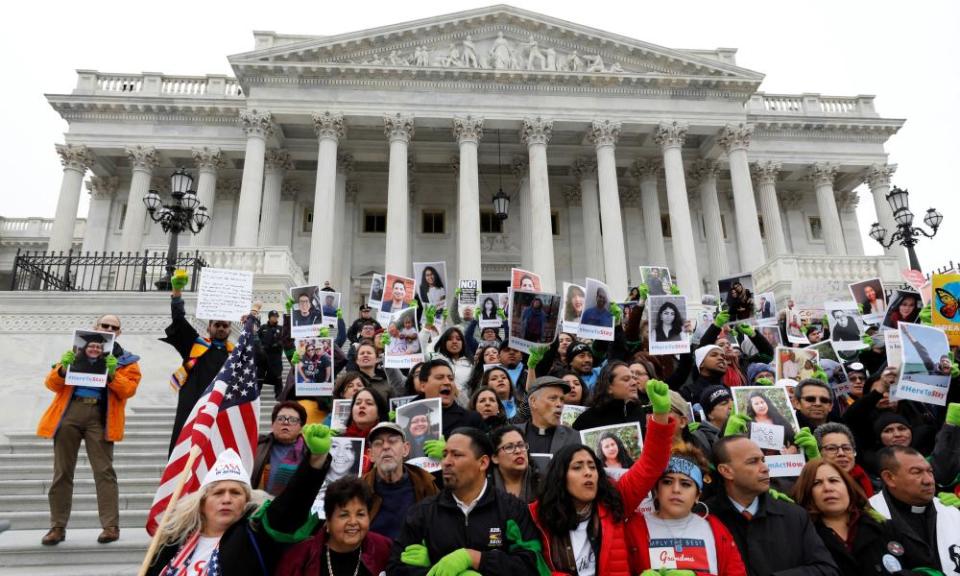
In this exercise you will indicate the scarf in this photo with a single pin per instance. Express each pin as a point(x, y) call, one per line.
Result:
point(180, 563)
point(733, 377)
point(199, 348)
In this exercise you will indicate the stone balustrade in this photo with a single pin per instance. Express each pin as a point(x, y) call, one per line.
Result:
point(93, 82)
point(12, 228)
point(780, 273)
point(275, 263)
point(812, 105)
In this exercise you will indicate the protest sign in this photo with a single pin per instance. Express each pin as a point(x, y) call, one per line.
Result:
point(667, 328)
point(404, 349)
point(574, 297)
point(306, 317)
point(946, 305)
point(489, 310)
point(314, 372)
point(796, 363)
point(398, 294)
point(769, 436)
point(375, 297)
point(570, 413)
point(469, 289)
point(346, 457)
point(657, 279)
point(89, 367)
point(596, 321)
point(534, 317)
point(736, 293)
point(421, 421)
point(785, 465)
point(339, 414)
point(925, 364)
point(524, 280)
point(224, 294)
point(618, 446)
point(431, 284)
point(871, 298)
point(846, 327)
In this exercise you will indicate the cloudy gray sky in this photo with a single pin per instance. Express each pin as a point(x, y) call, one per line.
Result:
point(905, 53)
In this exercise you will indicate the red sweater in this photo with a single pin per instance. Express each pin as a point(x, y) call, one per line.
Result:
point(729, 562)
point(633, 487)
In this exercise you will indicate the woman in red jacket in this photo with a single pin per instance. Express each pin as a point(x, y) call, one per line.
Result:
point(581, 513)
point(673, 536)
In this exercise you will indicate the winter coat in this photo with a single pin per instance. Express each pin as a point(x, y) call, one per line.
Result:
point(613, 412)
point(872, 540)
point(307, 557)
point(941, 554)
point(729, 562)
point(119, 389)
point(423, 486)
point(612, 560)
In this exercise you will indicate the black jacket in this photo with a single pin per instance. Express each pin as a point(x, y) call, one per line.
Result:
point(456, 416)
point(613, 412)
point(692, 390)
point(441, 524)
point(780, 540)
point(871, 541)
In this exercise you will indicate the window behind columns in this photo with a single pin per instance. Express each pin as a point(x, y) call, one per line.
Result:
point(433, 222)
point(489, 223)
point(374, 221)
point(665, 225)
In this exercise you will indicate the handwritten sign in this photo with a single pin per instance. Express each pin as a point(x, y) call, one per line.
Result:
point(891, 341)
point(785, 465)
point(224, 294)
point(468, 292)
point(767, 435)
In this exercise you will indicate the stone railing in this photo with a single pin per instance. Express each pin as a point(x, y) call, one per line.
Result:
point(780, 274)
point(155, 84)
point(35, 227)
point(812, 105)
point(275, 261)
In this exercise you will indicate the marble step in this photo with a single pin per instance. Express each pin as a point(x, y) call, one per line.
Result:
point(40, 519)
point(41, 447)
point(45, 459)
point(81, 502)
point(28, 471)
point(78, 555)
point(81, 485)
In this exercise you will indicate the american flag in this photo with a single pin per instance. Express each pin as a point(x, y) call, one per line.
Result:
point(226, 416)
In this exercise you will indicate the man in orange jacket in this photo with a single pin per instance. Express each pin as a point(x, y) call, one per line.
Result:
point(94, 415)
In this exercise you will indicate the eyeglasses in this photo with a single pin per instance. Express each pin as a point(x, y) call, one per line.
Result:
point(816, 399)
point(288, 419)
point(114, 327)
point(513, 448)
point(837, 448)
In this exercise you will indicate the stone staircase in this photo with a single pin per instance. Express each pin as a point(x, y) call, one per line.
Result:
point(26, 469)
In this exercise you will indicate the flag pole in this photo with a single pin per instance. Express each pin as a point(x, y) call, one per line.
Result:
point(195, 451)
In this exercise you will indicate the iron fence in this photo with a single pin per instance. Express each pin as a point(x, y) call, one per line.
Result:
point(97, 271)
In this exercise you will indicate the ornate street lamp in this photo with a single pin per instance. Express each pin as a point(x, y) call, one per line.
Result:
point(185, 214)
point(501, 202)
point(906, 234)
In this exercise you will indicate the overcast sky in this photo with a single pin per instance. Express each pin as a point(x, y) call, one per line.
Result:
point(905, 53)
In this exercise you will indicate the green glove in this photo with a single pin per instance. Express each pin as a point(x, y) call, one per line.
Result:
point(953, 414)
point(926, 315)
point(179, 280)
point(416, 555)
point(736, 424)
point(392, 415)
point(617, 313)
point(339, 313)
point(820, 375)
point(476, 313)
point(289, 304)
point(746, 329)
point(659, 394)
point(111, 365)
point(384, 339)
point(536, 355)
point(324, 332)
point(434, 448)
point(780, 496)
point(860, 308)
point(644, 291)
point(805, 440)
point(679, 573)
point(414, 304)
point(430, 314)
point(954, 369)
point(318, 438)
point(295, 359)
point(868, 340)
point(693, 426)
point(501, 314)
point(674, 289)
point(446, 314)
point(949, 499)
point(721, 318)
point(805, 328)
point(453, 564)
point(68, 358)
point(764, 382)
point(650, 572)
point(825, 321)
point(470, 573)
point(457, 293)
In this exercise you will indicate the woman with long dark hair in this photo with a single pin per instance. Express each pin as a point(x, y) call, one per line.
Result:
point(511, 470)
point(669, 324)
point(761, 410)
point(612, 452)
point(573, 303)
point(452, 345)
point(488, 311)
point(431, 286)
point(615, 399)
point(581, 513)
point(498, 379)
point(486, 403)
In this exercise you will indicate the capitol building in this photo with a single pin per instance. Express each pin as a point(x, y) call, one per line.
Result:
point(330, 158)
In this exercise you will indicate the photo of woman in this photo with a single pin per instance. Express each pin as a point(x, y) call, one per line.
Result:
point(905, 307)
point(612, 452)
point(870, 297)
point(668, 330)
point(533, 321)
point(421, 422)
point(430, 282)
point(669, 323)
point(771, 406)
point(488, 310)
point(617, 446)
point(573, 300)
point(346, 457)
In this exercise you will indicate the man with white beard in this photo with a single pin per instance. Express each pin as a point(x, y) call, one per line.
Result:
point(396, 486)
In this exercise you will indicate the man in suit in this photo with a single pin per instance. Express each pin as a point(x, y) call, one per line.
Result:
point(543, 432)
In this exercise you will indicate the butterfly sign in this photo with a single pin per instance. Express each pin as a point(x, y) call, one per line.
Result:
point(946, 305)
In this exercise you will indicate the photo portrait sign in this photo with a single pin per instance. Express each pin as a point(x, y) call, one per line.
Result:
point(666, 327)
point(431, 283)
point(574, 297)
point(404, 349)
point(617, 446)
point(314, 372)
point(525, 280)
point(224, 294)
point(376, 291)
point(489, 304)
point(796, 363)
point(346, 458)
point(421, 421)
point(596, 321)
point(89, 368)
point(306, 316)
point(736, 294)
point(657, 279)
point(534, 317)
point(871, 298)
point(398, 293)
point(925, 364)
point(846, 326)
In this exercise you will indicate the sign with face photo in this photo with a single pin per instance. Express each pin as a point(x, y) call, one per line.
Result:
point(736, 294)
point(794, 319)
point(524, 280)
point(314, 372)
point(489, 304)
point(306, 316)
point(846, 327)
point(657, 279)
point(766, 306)
point(926, 364)
point(796, 363)
point(904, 307)
point(772, 421)
point(574, 298)
point(421, 421)
point(404, 349)
point(597, 321)
point(398, 293)
point(340, 413)
point(832, 364)
point(329, 304)
point(667, 330)
point(618, 446)
point(89, 367)
point(871, 298)
point(376, 291)
point(346, 458)
point(431, 280)
point(534, 317)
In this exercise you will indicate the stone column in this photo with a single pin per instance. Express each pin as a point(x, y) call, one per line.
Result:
point(604, 135)
point(536, 133)
point(630, 205)
point(766, 175)
point(878, 178)
point(330, 129)
point(647, 171)
point(207, 161)
point(277, 163)
point(101, 190)
point(75, 160)
point(143, 160)
point(348, 218)
point(522, 174)
point(399, 129)
point(735, 140)
point(469, 131)
point(670, 137)
point(847, 201)
point(258, 126)
point(585, 169)
point(574, 219)
point(343, 226)
point(704, 173)
point(822, 174)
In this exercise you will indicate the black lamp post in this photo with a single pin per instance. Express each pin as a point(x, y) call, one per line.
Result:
point(906, 233)
point(501, 202)
point(184, 215)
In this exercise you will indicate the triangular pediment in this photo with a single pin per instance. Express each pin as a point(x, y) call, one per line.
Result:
point(492, 40)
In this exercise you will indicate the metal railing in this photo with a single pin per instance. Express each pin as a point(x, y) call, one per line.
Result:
point(97, 271)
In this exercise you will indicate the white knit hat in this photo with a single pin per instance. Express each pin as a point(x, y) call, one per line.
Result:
point(227, 467)
point(700, 353)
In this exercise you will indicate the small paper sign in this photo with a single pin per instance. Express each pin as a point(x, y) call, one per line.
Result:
point(224, 294)
point(468, 293)
point(570, 413)
point(785, 465)
point(768, 436)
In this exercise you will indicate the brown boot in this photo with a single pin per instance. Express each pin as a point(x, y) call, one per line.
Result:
point(109, 534)
point(56, 535)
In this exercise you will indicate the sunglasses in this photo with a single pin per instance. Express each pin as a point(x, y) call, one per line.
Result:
point(105, 326)
point(816, 399)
